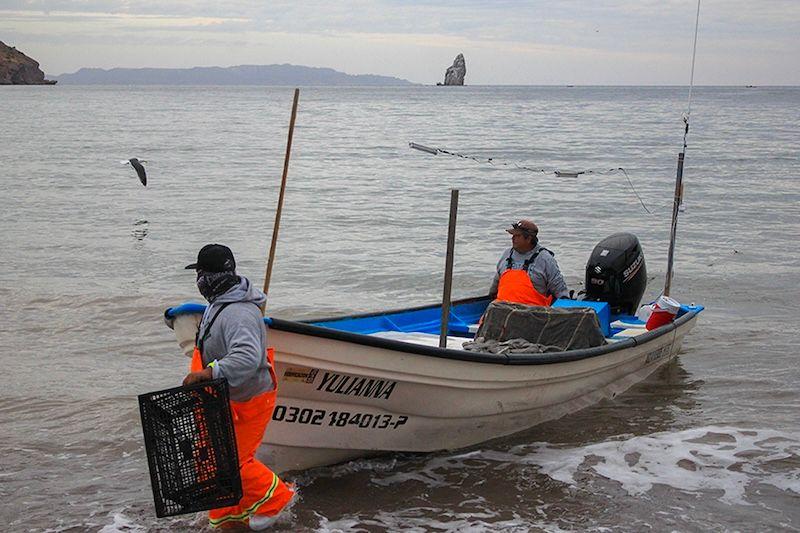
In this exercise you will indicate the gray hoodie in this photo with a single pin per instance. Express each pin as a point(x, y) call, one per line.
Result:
point(237, 340)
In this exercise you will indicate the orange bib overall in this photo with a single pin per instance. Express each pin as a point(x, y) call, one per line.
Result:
point(263, 492)
point(516, 286)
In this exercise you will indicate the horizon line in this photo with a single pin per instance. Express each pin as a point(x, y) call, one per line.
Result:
point(751, 84)
point(435, 84)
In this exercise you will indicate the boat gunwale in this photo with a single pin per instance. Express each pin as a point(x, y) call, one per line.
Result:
point(307, 327)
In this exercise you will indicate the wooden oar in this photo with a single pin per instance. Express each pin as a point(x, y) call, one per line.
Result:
point(448, 267)
point(277, 226)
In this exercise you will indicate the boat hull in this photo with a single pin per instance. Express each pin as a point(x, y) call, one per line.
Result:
point(340, 400)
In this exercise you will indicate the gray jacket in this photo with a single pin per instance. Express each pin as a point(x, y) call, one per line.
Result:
point(544, 272)
point(237, 340)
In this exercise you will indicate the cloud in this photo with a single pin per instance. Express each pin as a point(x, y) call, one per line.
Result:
point(139, 21)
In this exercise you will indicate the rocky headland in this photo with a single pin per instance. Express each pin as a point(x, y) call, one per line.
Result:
point(18, 69)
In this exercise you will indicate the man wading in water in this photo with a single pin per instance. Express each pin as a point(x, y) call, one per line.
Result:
point(231, 343)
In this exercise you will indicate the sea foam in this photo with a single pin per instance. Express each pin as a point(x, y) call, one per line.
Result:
point(711, 458)
point(726, 460)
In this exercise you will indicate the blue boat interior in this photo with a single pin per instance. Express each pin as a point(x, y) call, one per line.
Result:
point(466, 314)
point(424, 320)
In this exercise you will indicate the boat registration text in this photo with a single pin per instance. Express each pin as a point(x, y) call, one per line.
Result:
point(658, 353)
point(321, 417)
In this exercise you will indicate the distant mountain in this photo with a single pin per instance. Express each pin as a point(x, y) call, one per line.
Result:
point(240, 75)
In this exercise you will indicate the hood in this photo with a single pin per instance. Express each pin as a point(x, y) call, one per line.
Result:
point(243, 292)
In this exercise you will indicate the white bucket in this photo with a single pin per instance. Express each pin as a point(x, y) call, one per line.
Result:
point(644, 312)
point(664, 311)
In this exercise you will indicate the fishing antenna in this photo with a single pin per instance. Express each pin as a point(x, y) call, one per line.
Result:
point(678, 199)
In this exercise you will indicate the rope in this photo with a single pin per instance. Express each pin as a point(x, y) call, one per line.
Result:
point(555, 171)
point(634, 191)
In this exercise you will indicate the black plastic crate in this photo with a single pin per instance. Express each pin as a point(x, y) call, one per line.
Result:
point(191, 448)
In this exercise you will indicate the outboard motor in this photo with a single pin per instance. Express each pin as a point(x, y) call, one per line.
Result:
point(616, 273)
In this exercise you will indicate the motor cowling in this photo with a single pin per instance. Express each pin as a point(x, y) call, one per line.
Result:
point(616, 273)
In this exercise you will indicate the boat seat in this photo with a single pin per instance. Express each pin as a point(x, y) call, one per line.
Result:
point(425, 339)
point(626, 333)
point(627, 323)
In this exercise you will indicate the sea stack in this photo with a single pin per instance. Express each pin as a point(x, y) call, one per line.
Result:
point(18, 69)
point(455, 73)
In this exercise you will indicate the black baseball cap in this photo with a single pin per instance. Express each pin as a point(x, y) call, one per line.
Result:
point(214, 258)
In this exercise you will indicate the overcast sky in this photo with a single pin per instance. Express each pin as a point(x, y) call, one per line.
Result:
point(609, 42)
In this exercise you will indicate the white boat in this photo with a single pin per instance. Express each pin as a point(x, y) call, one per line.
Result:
point(357, 386)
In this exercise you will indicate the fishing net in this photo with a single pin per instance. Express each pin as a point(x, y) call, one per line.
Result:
point(191, 448)
point(517, 328)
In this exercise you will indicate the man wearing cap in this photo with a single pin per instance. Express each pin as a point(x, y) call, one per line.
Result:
point(231, 343)
point(527, 273)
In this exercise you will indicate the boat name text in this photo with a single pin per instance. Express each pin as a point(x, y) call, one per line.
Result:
point(357, 386)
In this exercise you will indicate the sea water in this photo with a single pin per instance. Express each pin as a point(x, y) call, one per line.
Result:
point(90, 259)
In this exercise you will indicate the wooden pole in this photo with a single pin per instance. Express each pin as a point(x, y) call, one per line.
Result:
point(448, 267)
point(277, 226)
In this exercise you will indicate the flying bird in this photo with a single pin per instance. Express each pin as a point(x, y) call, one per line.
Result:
point(137, 166)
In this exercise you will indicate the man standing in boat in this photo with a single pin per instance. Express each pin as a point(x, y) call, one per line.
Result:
point(231, 343)
point(527, 273)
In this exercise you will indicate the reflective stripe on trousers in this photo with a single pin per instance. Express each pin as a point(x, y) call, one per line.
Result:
point(263, 492)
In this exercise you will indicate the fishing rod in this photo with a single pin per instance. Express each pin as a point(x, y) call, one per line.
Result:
point(678, 199)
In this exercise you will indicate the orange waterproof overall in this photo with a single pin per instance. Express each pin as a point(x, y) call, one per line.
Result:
point(263, 492)
point(516, 286)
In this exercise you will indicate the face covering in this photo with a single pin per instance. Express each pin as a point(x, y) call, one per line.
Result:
point(213, 284)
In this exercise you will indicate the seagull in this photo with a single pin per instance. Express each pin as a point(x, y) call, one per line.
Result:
point(137, 165)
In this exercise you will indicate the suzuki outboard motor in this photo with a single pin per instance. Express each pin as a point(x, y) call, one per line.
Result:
point(616, 273)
